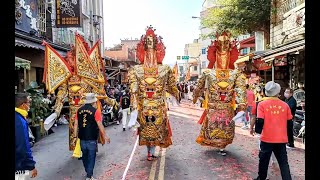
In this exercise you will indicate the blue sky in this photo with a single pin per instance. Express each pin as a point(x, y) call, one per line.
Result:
point(171, 18)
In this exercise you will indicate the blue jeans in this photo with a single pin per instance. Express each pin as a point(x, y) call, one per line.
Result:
point(89, 149)
point(151, 149)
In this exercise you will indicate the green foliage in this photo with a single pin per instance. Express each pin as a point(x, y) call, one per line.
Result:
point(239, 16)
point(39, 109)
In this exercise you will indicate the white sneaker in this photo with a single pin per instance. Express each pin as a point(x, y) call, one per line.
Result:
point(92, 178)
point(288, 147)
point(244, 127)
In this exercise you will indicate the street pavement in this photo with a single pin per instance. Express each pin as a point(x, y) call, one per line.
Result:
point(184, 160)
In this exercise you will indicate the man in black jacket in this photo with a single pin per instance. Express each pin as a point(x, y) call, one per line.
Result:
point(89, 120)
point(293, 106)
point(125, 105)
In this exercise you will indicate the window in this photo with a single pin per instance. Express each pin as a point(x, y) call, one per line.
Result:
point(195, 68)
point(204, 64)
point(244, 51)
point(203, 51)
point(41, 22)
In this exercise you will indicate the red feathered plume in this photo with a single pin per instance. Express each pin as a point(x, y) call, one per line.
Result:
point(159, 46)
point(212, 51)
point(211, 54)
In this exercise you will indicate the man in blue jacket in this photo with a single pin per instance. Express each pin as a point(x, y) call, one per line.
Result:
point(23, 156)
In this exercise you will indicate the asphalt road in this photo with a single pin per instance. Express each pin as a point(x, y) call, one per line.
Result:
point(184, 160)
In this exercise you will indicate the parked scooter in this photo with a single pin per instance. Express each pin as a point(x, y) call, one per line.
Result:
point(31, 138)
point(302, 131)
point(111, 115)
point(298, 123)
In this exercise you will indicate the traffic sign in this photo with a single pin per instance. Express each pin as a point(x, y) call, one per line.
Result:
point(185, 57)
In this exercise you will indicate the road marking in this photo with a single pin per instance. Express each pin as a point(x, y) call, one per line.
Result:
point(154, 165)
point(162, 164)
point(130, 159)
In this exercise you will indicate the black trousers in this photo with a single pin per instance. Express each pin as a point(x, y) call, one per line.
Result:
point(280, 151)
point(290, 133)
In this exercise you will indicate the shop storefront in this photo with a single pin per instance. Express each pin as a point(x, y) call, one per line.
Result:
point(29, 49)
point(22, 79)
point(287, 64)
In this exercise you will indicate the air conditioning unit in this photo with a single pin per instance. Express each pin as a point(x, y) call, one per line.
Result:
point(90, 38)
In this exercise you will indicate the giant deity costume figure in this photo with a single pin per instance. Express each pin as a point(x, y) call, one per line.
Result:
point(82, 71)
point(225, 91)
point(148, 85)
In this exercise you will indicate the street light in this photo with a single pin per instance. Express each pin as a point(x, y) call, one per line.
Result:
point(195, 17)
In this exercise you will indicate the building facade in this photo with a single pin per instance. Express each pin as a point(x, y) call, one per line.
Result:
point(35, 22)
point(287, 42)
point(205, 38)
point(193, 50)
point(124, 55)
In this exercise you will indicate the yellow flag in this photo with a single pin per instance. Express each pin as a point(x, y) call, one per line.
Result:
point(77, 150)
point(56, 69)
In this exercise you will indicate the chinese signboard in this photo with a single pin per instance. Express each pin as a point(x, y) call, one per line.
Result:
point(68, 13)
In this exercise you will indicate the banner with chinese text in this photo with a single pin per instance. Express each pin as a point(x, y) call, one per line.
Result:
point(68, 13)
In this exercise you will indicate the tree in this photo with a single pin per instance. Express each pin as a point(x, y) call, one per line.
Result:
point(239, 16)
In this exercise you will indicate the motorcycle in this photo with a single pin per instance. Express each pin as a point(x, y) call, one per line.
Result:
point(111, 115)
point(298, 124)
point(31, 138)
point(302, 131)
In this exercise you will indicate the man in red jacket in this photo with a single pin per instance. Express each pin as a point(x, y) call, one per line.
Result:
point(275, 115)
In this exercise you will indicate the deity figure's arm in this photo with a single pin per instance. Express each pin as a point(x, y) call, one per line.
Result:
point(61, 95)
point(171, 85)
point(134, 87)
point(240, 89)
point(197, 92)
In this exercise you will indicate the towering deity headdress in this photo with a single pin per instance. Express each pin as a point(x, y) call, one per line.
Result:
point(150, 41)
point(222, 53)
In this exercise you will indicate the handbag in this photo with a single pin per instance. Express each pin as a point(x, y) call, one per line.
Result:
point(77, 153)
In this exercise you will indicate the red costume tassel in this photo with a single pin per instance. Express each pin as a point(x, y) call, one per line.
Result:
point(203, 116)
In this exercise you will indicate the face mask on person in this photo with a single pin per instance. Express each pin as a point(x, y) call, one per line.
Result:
point(287, 95)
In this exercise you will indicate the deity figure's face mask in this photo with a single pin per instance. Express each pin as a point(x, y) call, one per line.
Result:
point(224, 43)
point(150, 44)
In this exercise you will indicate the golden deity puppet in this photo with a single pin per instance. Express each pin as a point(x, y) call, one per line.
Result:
point(80, 72)
point(149, 82)
point(225, 92)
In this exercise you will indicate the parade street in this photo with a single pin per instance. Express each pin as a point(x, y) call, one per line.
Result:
point(184, 160)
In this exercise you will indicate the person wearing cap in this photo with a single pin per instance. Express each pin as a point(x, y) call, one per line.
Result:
point(256, 126)
point(89, 120)
point(274, 114)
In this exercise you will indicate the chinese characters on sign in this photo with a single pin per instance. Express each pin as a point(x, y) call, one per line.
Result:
point(68, 13)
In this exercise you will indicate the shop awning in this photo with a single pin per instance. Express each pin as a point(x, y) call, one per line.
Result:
point(35, 45)
point(281, 49)
point(249, 42)
point(273, 56)
point(244, 58)
point(22, 63)
point(29, 44)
